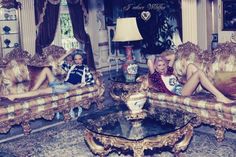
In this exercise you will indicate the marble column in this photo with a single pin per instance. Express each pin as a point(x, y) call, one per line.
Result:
point(189, 19)
point(28, 28)
point(98, 33)
point(202, 27)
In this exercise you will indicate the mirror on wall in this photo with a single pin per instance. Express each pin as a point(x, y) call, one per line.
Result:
point(229, 15)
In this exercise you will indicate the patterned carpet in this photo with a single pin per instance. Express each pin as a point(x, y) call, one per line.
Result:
point(67, 140)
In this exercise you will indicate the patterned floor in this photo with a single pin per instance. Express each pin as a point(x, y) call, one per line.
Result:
point(67, 140)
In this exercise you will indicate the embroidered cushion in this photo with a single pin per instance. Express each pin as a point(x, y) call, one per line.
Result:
point(222, 59)
point(15, 88)
point(226, 82)
point(15, 72)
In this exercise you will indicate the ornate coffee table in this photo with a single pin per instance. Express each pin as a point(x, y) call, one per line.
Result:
point(119, 131)
point(119, 86)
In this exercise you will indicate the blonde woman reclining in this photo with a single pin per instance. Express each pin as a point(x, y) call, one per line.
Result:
point(162, 79)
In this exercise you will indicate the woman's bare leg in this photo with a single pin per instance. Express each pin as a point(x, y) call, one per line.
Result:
point(191, 69)
point(30, 94)
point(199, 77)
point(46, 73)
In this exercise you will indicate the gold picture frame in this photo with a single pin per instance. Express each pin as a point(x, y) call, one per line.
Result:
point(229, 15)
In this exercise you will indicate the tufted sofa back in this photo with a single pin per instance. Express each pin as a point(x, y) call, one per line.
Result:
point(214, 64)
point(15, 67)
point(223, 58)
point(14, 72)
point(19, 69)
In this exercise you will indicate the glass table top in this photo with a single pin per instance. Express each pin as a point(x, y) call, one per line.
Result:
point(120, 78)
point(120, 123)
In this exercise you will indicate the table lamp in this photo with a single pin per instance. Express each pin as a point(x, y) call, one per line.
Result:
point(126, 31)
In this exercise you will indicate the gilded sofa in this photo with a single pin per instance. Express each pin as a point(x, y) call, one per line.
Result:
point(220, 66)
point(18, 72)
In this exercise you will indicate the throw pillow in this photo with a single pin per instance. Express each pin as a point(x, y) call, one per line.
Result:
point(15, 72)
point(226, 82)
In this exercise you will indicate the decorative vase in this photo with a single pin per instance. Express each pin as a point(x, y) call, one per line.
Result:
point(130, 68)
point(135, 101)
point(6, 15)
point(7, 42)
point(16, 45)
point(6, 29)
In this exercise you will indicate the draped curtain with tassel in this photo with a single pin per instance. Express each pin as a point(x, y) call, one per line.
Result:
point(46, 18)
point(77, 11)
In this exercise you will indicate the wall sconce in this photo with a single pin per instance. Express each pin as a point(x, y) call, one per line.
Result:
point(214, 41)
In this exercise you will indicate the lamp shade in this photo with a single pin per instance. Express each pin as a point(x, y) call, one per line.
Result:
point(127, 30)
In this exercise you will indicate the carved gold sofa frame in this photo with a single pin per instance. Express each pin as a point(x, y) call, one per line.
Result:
point(23, 111)
point(221, 116)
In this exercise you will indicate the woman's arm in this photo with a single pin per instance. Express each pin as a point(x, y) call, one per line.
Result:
point(150, 63)
point(65, 55)
point(171, 59)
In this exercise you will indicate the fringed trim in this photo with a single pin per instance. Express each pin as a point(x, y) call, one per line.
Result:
point(41, 16)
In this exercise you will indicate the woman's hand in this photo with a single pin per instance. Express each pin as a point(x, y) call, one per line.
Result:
point(79, 85)
point(150, 63)
point(66, 54)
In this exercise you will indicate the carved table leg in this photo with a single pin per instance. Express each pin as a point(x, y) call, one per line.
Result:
point(182, 145)
point(138, 151)
point(219, 133)
point(100, 104)
point(66, 114)
point(26, 127)
point(96, 148)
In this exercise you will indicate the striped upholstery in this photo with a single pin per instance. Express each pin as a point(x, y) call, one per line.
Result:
point(12, 113)
point(15, 72)
point(222, 59)
point(20, 79)
point(208, 111)
point(204, 106)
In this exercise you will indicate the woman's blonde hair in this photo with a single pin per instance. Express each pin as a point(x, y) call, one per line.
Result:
point(160, 58)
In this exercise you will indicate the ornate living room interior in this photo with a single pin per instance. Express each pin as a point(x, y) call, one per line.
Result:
point(120, 114)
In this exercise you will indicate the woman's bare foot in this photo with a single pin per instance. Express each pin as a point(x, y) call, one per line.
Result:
point(225, 100)
point(10, 97)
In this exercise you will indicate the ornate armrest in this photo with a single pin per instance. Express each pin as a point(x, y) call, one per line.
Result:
point(13, 67)
point(142, 78)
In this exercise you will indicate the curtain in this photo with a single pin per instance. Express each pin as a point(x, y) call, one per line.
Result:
point(77, 12)
point(46, 18)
